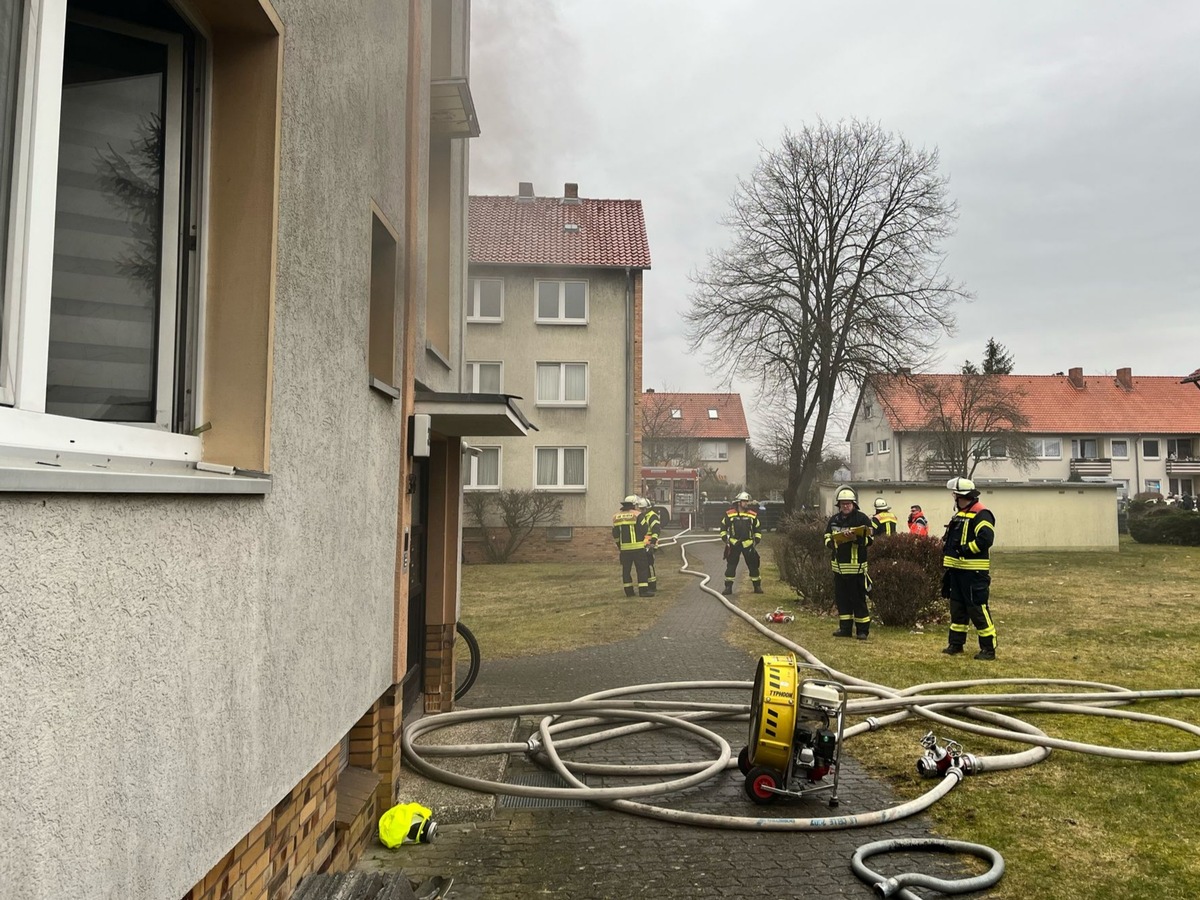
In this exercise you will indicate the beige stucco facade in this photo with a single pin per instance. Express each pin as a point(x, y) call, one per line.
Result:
point(609, 343)
point(1054, 517)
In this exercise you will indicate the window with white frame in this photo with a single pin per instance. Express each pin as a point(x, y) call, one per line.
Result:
point(870, 448)
point(562, 302)
point(1085, 448)
point(561, 468)
point(104, 164)
point(1046, 448)
point(712, 414)
point(1119, 448)
point(562, 384)
point(1150, 448)
point(713, 451)
point(677, 414)
point(485, 302)
point(1179, 448)
point(485, 377)
point(484, 473)
point(885, 446)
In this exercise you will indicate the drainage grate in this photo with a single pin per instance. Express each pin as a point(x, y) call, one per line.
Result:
point(540, 779)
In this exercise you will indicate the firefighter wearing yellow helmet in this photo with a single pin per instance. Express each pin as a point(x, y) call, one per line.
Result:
point(967, 579)
point(847, 535)
point(650, 524)
point(629, 536)
point(741, 533)
point(884, 521)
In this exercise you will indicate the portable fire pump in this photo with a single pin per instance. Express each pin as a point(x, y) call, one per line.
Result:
point(796, 724)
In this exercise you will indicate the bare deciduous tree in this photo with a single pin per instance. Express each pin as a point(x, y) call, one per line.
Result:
point(667, 440)
point(518, 512)
point(969, 418)
point(833, 271)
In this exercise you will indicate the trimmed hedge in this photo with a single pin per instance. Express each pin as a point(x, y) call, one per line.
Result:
point(1160, 524)
point(906, 572)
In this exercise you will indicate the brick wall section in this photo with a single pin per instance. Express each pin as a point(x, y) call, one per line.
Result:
point(439, 668)
point(322, 824)
point(294, 840)
point(593, 544)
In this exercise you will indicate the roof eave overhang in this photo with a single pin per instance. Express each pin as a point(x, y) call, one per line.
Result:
point(452, 109)
point(473, 415)
point(617, 267)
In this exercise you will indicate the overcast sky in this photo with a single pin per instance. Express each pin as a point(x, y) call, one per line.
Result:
point(1068, 130)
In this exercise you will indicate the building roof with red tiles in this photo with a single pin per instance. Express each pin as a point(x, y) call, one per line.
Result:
point(1066, 404)
point(558, 231)
point(696, 414)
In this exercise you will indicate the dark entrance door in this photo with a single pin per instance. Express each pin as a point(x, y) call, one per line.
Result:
point(417, 536)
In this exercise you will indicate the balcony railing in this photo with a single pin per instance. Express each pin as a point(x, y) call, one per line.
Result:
point(1091, 466)
point(1187, 466)
point(937, 469)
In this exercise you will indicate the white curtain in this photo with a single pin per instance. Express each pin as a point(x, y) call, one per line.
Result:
point(576, 378)
point(573, 466)
point(487, 472)
point(547, 467)
point(548, 378)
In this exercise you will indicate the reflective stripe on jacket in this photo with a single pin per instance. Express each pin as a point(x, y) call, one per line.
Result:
point(625, 531)
point(849, 557)
point(969, 535)
point(885, 523)
point(741, 528)
point(650, 525)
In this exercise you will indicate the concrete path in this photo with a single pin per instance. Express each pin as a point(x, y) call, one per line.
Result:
point(585, 851)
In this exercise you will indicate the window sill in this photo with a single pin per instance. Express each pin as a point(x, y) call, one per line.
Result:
point(28, 471)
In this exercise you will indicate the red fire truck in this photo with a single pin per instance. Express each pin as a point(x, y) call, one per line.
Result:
point(675, 493)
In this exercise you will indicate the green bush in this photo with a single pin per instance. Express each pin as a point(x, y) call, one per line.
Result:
point(1166, 525)
point(803, 560)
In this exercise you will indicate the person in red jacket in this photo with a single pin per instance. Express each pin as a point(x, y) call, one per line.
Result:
point(917, 523)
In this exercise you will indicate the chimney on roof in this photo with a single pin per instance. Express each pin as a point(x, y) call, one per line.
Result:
point(903, 370)
point(525, 190)
point(570, 192)
point(1075, 376)
point(1125, 378)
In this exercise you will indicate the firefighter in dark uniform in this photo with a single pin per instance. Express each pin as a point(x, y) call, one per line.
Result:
point(968, 579)
point(741, 533)
point(847, 535)
point(651, 526)
point(630, 540)
point(884, 521)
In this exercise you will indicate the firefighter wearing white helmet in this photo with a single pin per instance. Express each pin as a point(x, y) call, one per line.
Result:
point(967, 579)
point(884, 521)
point(650, 524)
point(741, 533)
point(630, 540)
point(847, 535)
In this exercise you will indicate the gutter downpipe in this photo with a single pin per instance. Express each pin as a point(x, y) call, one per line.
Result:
point(630, 398)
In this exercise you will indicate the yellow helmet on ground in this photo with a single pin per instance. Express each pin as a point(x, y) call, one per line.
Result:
point(845, 492)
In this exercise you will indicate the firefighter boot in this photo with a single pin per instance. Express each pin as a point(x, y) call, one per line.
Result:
point(952, 649)
point(758, 587)
point(728, 592)
point(629, 592)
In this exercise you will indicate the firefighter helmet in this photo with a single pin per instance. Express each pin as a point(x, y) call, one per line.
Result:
point(743, 496)
point(881, 504)
point(631, 500)
point(845, 492)
point(643, 503)
point(962, 487)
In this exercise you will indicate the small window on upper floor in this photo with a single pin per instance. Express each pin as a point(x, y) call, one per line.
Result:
point(561, 468)
point(1119, 448)
point(712, 414)
point(485, 377)
point(562, 384)
point(485, 303)
point(1150, 448)
point(677, 414)
point(870, 448)
point(381, 327)
point(713, 451)
point(885, 446)
point(562, 302)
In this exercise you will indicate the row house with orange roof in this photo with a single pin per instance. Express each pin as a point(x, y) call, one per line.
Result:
point(706, 430)
point(554, 317)
point(1140, 432)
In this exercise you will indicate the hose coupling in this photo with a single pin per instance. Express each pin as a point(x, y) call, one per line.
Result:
point(533, 746)
point(967, 764)
point(872, 723)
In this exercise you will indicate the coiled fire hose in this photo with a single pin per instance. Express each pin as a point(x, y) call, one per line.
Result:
point(972, 712)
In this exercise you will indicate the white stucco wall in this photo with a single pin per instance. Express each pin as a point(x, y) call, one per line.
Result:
point(173, 665)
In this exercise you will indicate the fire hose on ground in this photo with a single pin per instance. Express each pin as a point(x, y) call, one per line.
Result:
point(880, 706)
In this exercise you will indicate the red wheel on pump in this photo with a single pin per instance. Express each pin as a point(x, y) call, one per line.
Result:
point(744, 760)
point(761, 784)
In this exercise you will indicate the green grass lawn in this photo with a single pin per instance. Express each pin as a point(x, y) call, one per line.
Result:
point(1075, 826)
